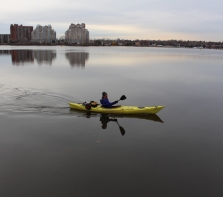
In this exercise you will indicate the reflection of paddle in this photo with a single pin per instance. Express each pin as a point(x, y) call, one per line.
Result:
point(122, 130)
point(123, 97)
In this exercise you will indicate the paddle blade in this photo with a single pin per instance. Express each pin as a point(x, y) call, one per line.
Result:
point(122, 130)
point(123, 97)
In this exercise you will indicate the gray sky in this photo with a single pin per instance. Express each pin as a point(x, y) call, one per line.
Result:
point(141, 19)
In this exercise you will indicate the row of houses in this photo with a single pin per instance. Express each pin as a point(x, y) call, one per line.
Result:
point(76, 34)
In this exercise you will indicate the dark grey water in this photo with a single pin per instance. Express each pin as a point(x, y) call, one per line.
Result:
point(46, 149)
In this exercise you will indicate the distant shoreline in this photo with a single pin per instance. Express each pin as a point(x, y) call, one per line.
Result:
point(104, 46)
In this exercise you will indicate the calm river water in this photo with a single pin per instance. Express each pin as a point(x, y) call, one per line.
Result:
point(46, 149)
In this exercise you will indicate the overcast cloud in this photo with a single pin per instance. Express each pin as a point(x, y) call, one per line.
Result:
point(141, 19)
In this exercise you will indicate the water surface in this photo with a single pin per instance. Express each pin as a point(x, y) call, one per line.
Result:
point(46, 149)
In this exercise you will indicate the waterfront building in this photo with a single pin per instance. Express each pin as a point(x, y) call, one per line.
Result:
point(4, 38)
point(20, 33)
point(137, 43)
point(43, 34)
point(77, 34)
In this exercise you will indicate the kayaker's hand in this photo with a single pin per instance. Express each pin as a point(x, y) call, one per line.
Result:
point(116, 101)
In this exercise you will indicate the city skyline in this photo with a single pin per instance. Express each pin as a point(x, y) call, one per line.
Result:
point(150, 19)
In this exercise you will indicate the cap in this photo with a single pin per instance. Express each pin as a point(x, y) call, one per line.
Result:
point(104, 93)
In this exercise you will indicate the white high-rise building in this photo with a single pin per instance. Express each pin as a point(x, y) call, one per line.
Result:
point(43, 34)
point(77, 34)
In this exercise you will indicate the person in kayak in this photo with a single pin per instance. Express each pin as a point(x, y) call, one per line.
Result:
point(105, 102)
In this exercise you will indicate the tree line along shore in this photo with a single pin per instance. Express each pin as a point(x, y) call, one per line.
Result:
point(136, 43)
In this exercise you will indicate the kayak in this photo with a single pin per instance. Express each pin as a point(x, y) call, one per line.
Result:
point(89, 114)
point(119, 109)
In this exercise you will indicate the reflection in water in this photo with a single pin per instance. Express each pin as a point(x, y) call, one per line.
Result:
point(44, 57)
point(106, 118)
point(77, 59)
point(20, 57)
point(5, 52)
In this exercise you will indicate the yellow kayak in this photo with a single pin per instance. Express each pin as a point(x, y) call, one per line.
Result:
point(119, 109)
point(89, 114)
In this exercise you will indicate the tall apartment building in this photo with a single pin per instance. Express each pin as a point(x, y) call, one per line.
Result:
point(77, 34)
point(4, 38)
point(20, 33)
point(43, 34)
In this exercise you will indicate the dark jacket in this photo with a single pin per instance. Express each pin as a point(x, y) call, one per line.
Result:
point(105, 103)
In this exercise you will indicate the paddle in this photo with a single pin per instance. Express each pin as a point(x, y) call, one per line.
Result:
point(123, 97)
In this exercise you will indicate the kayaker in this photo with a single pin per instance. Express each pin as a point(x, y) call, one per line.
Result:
point(105, 102)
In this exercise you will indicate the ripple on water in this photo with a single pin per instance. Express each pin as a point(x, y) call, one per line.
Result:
point(18, 100)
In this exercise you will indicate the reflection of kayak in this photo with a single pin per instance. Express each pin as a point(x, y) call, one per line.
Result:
point(119, 109)
point(89, 114)
point(152, 117)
